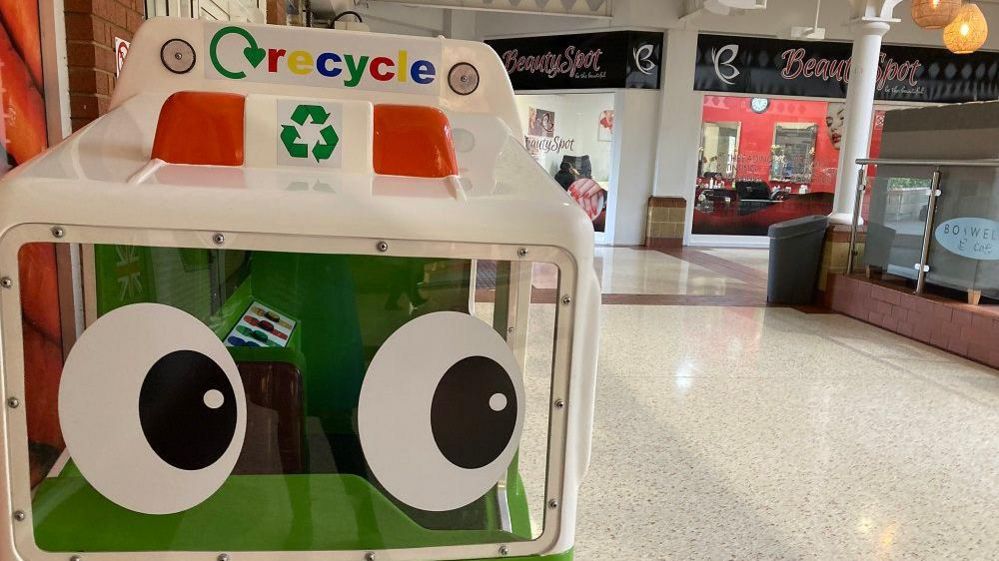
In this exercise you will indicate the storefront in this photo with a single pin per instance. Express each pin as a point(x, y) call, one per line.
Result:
point(571, 91)
point(772, 116)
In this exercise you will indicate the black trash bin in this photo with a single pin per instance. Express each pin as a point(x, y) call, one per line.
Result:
point(795, 255)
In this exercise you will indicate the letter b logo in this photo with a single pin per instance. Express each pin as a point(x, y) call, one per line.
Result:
point(723, 59)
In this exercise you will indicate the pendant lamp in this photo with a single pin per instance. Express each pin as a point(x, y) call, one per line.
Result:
point(934, 14)
point(968, 32)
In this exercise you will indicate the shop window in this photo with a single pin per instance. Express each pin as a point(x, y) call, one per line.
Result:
point(763, 161)
point(571, 137)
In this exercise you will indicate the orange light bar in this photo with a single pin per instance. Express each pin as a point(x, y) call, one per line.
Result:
point(413, 141)
point(201, 128)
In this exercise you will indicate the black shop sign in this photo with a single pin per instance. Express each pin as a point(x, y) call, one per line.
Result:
point(796, 68)
point(614, 59)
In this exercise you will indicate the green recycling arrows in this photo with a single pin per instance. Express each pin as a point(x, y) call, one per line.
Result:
point(291, 137)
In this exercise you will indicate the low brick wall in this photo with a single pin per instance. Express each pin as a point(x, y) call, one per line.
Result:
point(963, 329)
point(665, 224)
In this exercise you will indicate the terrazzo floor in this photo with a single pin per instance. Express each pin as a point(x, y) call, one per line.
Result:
point(736, 433)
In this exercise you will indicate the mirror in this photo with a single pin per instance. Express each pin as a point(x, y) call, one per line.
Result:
point(719, 149)
point(793, 152)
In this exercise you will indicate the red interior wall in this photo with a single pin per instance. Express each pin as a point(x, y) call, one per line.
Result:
point(757, 135)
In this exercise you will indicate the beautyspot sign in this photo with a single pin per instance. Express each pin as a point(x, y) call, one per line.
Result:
point(614, 59)
point(795, 68)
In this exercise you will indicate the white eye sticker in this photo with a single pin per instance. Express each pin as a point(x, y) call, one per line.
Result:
point(152, 408)
point(441, 411)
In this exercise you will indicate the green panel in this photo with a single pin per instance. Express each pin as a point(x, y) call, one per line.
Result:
point(249, 513)
point(346, 307)
point(124, 276)
point(520, 515)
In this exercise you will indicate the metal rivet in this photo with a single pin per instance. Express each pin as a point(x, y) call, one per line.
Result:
point(504, 550)
point(522, 252)
point(369, 556)
point(13, 402)
point(553, 503)
point(566, 300)
point(218, 238)
point(19, 515)
point(6, 282)
point(559, 403)
point(382, 246)
point(58, 232)
point(223, 557)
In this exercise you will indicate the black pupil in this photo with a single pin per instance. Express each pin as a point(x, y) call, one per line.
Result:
point(175, 414)
point(468, 428)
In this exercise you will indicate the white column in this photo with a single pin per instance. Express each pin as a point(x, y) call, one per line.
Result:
point(679, 121)
point(679, 118)
point(636, 127)
point(859, 112)
point(459, 24)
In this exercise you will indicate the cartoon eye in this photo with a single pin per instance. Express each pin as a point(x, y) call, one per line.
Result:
point(441, 410)
point(152, 409)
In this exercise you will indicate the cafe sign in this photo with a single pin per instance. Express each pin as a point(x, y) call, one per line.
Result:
point(614, 59)
point(974, 238)
point(752, 65)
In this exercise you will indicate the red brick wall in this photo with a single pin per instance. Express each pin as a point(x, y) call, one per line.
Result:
point(963, 329)
point(91, 26)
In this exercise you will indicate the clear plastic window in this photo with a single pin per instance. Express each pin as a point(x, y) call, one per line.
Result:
point(228, 400)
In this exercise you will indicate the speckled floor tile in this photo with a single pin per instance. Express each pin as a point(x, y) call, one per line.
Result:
point(741, 433)
point(758, 259)
point(632, 271)
point(850, 453)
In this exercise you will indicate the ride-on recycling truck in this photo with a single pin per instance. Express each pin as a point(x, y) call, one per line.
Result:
point(305, 308)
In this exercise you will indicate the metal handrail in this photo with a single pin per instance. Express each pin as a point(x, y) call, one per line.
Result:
point(989, 163)
point(935, 192)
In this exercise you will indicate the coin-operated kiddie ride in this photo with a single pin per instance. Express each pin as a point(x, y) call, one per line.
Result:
point(305, 278)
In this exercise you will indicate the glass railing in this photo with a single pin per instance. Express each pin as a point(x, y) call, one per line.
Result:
point(934, 222)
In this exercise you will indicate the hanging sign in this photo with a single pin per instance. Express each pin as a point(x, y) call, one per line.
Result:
point(797, 68)
point(615, 59)
point(974, 238)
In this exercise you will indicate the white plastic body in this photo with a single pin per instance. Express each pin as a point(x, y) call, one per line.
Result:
point(100, 186)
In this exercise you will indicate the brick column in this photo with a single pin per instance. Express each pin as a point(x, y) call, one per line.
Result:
point(276, 12)
point(91, 26)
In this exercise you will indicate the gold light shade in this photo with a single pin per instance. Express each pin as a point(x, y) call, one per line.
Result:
point(968, 32)
point(934, 14)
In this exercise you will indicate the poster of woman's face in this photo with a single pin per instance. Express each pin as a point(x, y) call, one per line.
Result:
point(541, 122)
point(835, 118)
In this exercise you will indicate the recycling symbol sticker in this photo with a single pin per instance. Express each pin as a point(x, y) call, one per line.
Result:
point(308, 135)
